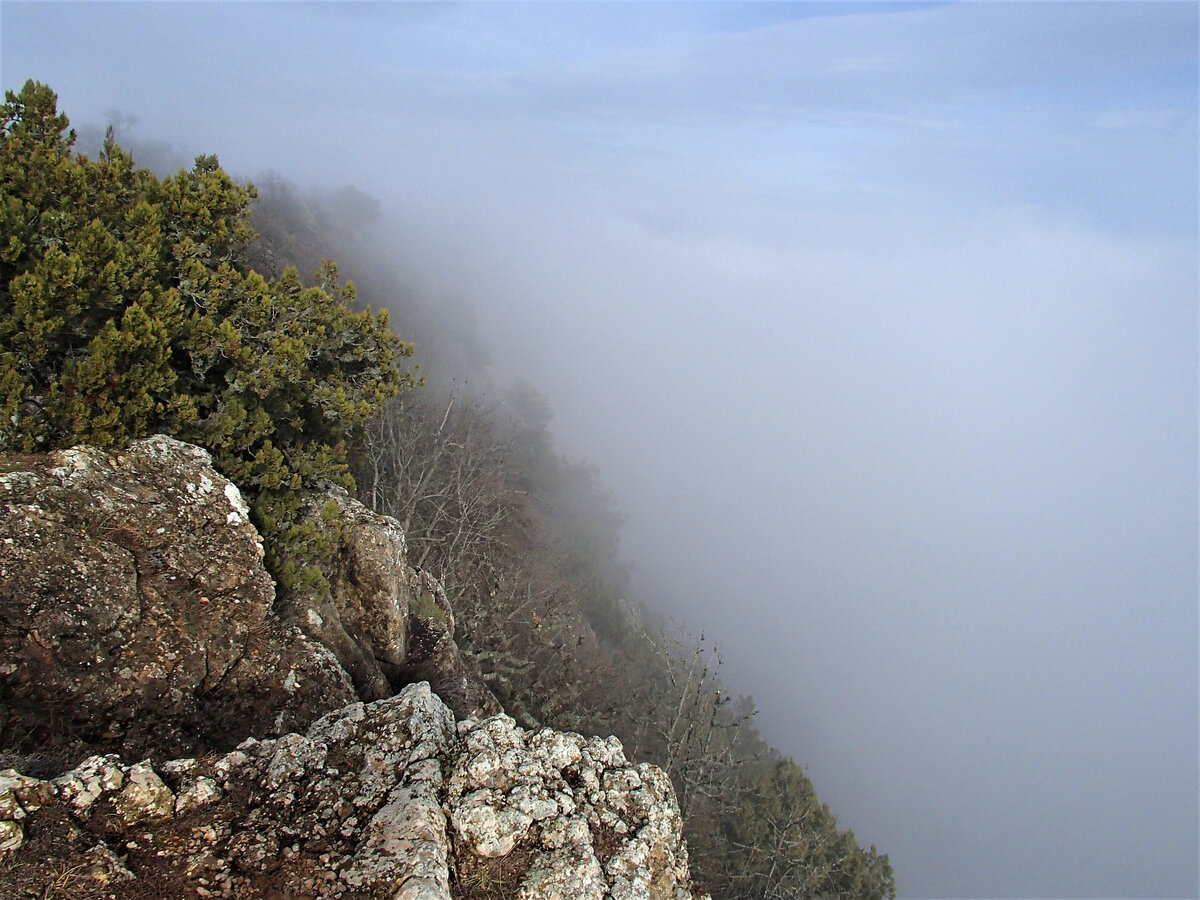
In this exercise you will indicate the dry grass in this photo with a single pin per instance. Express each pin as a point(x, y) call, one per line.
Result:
point(54, 863)
point(606, 841)
point(480, 878)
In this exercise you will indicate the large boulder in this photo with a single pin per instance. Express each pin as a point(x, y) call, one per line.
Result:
point(362, 617)
point(387, 799)
point(135, 612)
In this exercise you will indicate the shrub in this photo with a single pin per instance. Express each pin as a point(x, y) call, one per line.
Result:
point(127, 308)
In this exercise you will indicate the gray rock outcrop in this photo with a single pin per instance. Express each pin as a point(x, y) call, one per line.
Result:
point(387, 624)
point(137, 624)
point(136, 615)
point(363, 615)
point(387, 799)
point(135, 612)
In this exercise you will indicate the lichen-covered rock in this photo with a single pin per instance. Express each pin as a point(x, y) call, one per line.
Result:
point(84, 785)
point(137, 623)
point(595, 825)
point(144, 796)
point(388, 799)
point(574, 874)
point(362, 616)
point(20, 795)
point(11, 835)
point(104, 866)
point(135, 613)
point(387, 624)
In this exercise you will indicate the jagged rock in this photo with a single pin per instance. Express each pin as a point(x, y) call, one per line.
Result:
point(387, 624)
point(387, 799)
point(135, 613)
point(198, 792)
point(362, 617)
point(434, 656)
point(84, 785)
point(11, 835)
point(105, 866)
point(145, 796)
point(20, 795)
point(136, 620)
point(597, 824)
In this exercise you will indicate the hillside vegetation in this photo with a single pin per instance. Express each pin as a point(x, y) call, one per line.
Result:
point(132, 304)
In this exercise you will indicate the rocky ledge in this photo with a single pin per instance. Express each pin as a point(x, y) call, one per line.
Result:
point(137, 624)
point(387, 799)
point(136, 616)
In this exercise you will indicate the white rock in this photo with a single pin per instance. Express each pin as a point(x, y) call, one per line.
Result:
point(559, 749)
point(145, 796)
point(294, 756)
point(367, 802)
point(83, 785)
point(565, 876)
point(11, 836)
point(489, 830)
point(224, 767)
point(406, 839)
point(20, 794)
point(200, 793)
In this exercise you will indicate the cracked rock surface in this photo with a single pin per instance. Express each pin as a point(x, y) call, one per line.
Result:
point(140, 633)
point(135, 613)
point(386, 623)
point(387, 799)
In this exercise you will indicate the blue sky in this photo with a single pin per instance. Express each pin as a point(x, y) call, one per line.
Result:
point(881, 320)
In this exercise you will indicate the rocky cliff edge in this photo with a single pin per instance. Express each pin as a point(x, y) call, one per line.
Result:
point(387, 799)
point(137, 623)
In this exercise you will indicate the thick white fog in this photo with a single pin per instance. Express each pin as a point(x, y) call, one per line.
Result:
point(880, 322)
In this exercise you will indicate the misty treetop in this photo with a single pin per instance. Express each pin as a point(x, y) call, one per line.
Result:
point(127, 307)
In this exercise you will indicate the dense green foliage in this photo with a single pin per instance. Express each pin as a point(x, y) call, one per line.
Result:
point(127, 308)
point(130, 304)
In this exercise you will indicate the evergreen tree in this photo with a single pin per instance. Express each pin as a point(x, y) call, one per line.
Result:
point(127, 308)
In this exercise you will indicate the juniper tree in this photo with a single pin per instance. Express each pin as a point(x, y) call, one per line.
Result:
point(127, 308)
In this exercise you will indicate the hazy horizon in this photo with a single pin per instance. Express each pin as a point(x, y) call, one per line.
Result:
point(879, 320)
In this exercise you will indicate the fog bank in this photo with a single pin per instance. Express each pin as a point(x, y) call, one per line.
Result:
point(880, 321)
